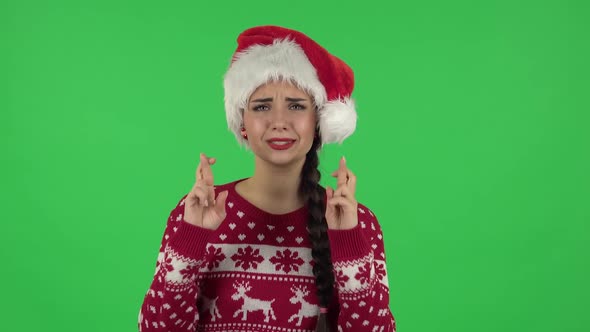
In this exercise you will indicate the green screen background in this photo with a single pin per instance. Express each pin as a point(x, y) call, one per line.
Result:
point(472, 148)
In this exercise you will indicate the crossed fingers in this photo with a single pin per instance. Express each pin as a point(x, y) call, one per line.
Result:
point(346, 181)
point(204, 177)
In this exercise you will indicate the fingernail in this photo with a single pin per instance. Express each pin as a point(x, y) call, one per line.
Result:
point(207, 203)
point(344, 158)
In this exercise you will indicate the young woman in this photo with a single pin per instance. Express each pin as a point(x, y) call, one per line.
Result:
point(275, 251)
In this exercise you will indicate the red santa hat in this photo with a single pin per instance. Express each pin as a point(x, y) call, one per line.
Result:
point(268, 53)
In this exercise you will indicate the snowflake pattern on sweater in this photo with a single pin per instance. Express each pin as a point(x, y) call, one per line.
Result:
point(254, 274)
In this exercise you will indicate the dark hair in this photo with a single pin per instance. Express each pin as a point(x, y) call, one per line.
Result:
point(314, 194)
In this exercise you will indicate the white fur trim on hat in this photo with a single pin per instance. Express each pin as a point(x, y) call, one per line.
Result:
point(337, 120)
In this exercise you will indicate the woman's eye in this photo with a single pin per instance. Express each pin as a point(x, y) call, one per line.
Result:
point(298, 106)
point(266, 108)
point(260, 107)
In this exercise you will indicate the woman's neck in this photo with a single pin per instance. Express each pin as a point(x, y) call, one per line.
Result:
point(273, 188)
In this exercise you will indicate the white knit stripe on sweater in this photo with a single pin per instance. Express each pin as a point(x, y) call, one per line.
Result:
point(297, 265)
point(250, 327)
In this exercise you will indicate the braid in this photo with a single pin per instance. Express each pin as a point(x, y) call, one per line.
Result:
point(312, 192)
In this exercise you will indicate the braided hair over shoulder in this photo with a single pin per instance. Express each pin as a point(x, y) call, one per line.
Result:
point(314, 194)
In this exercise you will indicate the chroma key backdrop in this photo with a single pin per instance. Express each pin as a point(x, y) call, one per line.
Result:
point(472, 147)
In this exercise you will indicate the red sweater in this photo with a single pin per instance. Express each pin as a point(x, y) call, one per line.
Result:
point(254, 273)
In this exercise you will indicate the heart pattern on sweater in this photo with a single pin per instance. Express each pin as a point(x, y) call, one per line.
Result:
point(237, 257)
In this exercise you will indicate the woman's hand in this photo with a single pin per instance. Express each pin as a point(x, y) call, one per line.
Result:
point(200, 206)
point(341, 208)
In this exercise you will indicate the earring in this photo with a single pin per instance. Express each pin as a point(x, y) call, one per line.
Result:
point(244, 133)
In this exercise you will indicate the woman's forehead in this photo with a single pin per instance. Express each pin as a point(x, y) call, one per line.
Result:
point(274, 87)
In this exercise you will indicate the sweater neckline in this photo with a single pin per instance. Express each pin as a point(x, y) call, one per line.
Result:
point(253, 211)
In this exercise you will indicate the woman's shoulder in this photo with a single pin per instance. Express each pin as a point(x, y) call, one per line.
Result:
point(364, 209)
point(226, 185)
point(368, 222)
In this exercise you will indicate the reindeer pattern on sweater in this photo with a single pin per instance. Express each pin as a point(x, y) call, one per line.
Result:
point(254, 273)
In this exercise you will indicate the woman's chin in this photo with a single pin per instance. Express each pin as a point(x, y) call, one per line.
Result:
point(285, 158)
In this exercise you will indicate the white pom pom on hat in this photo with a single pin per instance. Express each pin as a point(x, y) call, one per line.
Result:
point(268, 53)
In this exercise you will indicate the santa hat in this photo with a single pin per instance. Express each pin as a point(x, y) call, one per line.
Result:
point(268, 53)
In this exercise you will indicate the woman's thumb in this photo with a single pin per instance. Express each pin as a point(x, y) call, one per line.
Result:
point(220, 202)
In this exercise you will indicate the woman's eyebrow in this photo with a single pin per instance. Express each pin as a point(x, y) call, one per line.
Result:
point(264, 100)
point(295, 99)
point(261, 100)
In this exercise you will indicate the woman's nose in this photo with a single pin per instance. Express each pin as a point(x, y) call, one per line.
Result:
point(279, 113)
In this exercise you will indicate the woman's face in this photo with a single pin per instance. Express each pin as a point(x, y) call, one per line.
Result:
point(280, 110)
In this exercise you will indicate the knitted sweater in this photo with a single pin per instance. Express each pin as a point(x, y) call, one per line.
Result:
point(254, 273)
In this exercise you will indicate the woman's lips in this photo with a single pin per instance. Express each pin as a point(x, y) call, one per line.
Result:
point(280, 146)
